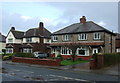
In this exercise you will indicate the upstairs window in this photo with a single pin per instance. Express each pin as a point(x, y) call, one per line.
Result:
point(10, 40)
point(97, 36)
point(82, 36)
point(55, 38)
point(28, 40)
point(65, 37)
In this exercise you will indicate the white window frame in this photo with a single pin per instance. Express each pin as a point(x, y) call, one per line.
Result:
point(83, 48)
point(9, 50)
point(97, 36)
point(82, 36)
point(28, 40)
point(66, 51)
point(55, 38)
point(27, 50)
point(10, 40)
point(65, 37)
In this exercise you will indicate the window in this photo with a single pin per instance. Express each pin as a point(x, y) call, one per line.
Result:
point(53, 50)
point(83, 51)
point(10, 40)
point(28, 40)
point(9, 50)
point(66, 51)
point(82, 36)
point(65, 37)
point(27, 50)
point(55, 38)
point(97, 36)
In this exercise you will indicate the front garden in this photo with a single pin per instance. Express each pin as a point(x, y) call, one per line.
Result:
point(63, 62)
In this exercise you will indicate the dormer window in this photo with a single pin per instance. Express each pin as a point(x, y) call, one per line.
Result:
point(28, 40)
point(55, 38)
point(82, 36)
point(65, 37)
point(97, 36)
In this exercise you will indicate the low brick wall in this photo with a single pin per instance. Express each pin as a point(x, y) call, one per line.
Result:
point(82, 57)
point(48, 62)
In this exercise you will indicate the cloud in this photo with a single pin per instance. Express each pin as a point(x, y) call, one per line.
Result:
point(26, 17)
point(101, 23)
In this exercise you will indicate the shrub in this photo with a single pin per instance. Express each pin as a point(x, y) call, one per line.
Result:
point(59, 57)
point(28, 55)
point(79, 59)
point(5, 58)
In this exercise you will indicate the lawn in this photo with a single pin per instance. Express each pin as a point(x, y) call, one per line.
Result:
point(70, 62)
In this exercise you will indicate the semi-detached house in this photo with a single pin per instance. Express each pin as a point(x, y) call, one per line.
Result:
point(86, 37)
point(32, 40)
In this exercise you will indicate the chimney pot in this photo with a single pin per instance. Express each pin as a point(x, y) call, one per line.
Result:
point(83, 19)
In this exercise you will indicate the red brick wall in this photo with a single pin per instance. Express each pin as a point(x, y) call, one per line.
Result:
point(37, 61)
point(82, 57)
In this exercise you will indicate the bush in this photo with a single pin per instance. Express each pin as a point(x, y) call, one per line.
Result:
point(79, 59)
point(59, 57)
point(28, 55)
point(5, 58)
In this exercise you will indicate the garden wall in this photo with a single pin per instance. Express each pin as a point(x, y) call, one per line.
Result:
point(48, 62)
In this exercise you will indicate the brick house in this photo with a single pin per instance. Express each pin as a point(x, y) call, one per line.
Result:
point(2, 42)
point(34, 39)
point(84, 39)
point(118, 42)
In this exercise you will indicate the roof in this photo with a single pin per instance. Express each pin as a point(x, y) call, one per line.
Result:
point(34, 32)
point(2, 38)
point(117, 35)
point(17, 34)
point(88, 26)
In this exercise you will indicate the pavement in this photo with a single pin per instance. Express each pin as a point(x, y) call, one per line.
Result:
point(83, 67)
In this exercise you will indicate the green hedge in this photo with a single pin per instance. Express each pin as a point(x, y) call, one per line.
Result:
point(28, 55)
point(111, 58)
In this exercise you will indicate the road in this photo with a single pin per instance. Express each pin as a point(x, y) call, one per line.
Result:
point(24, 72)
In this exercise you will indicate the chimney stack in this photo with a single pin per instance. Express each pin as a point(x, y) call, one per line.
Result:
point(41, 28)
point(83, 19)
point(12, 28)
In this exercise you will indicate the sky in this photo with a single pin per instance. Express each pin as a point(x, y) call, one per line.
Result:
point(56, 15)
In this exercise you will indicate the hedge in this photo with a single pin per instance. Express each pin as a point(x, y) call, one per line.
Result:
point(28, 55)
point(111, 59)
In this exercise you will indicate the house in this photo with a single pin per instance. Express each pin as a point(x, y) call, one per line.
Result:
point(2, 42)
point(82, 39)
point(32, 40)
point(118, 42)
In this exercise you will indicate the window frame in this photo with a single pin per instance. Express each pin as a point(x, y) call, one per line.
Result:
point(29, 40)
point(82, 36)
point(55, 38)
point(82, 48)
point(66, 51)
point(10, 40)
point(65, 37)
point(97, 36)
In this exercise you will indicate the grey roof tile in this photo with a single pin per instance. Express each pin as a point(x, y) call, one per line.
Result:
point(81, 27)
point(2, 38)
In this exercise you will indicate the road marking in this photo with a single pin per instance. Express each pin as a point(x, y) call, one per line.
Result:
point(69, 78)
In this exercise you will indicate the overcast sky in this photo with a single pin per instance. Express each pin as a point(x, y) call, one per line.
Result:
point(57, 15)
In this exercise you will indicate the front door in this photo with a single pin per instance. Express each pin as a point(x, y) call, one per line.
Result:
point(95, 50)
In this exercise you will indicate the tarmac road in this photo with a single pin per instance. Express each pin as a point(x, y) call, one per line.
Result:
point(25, 72)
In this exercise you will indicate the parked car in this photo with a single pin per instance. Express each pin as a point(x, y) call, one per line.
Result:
point(40, 55)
